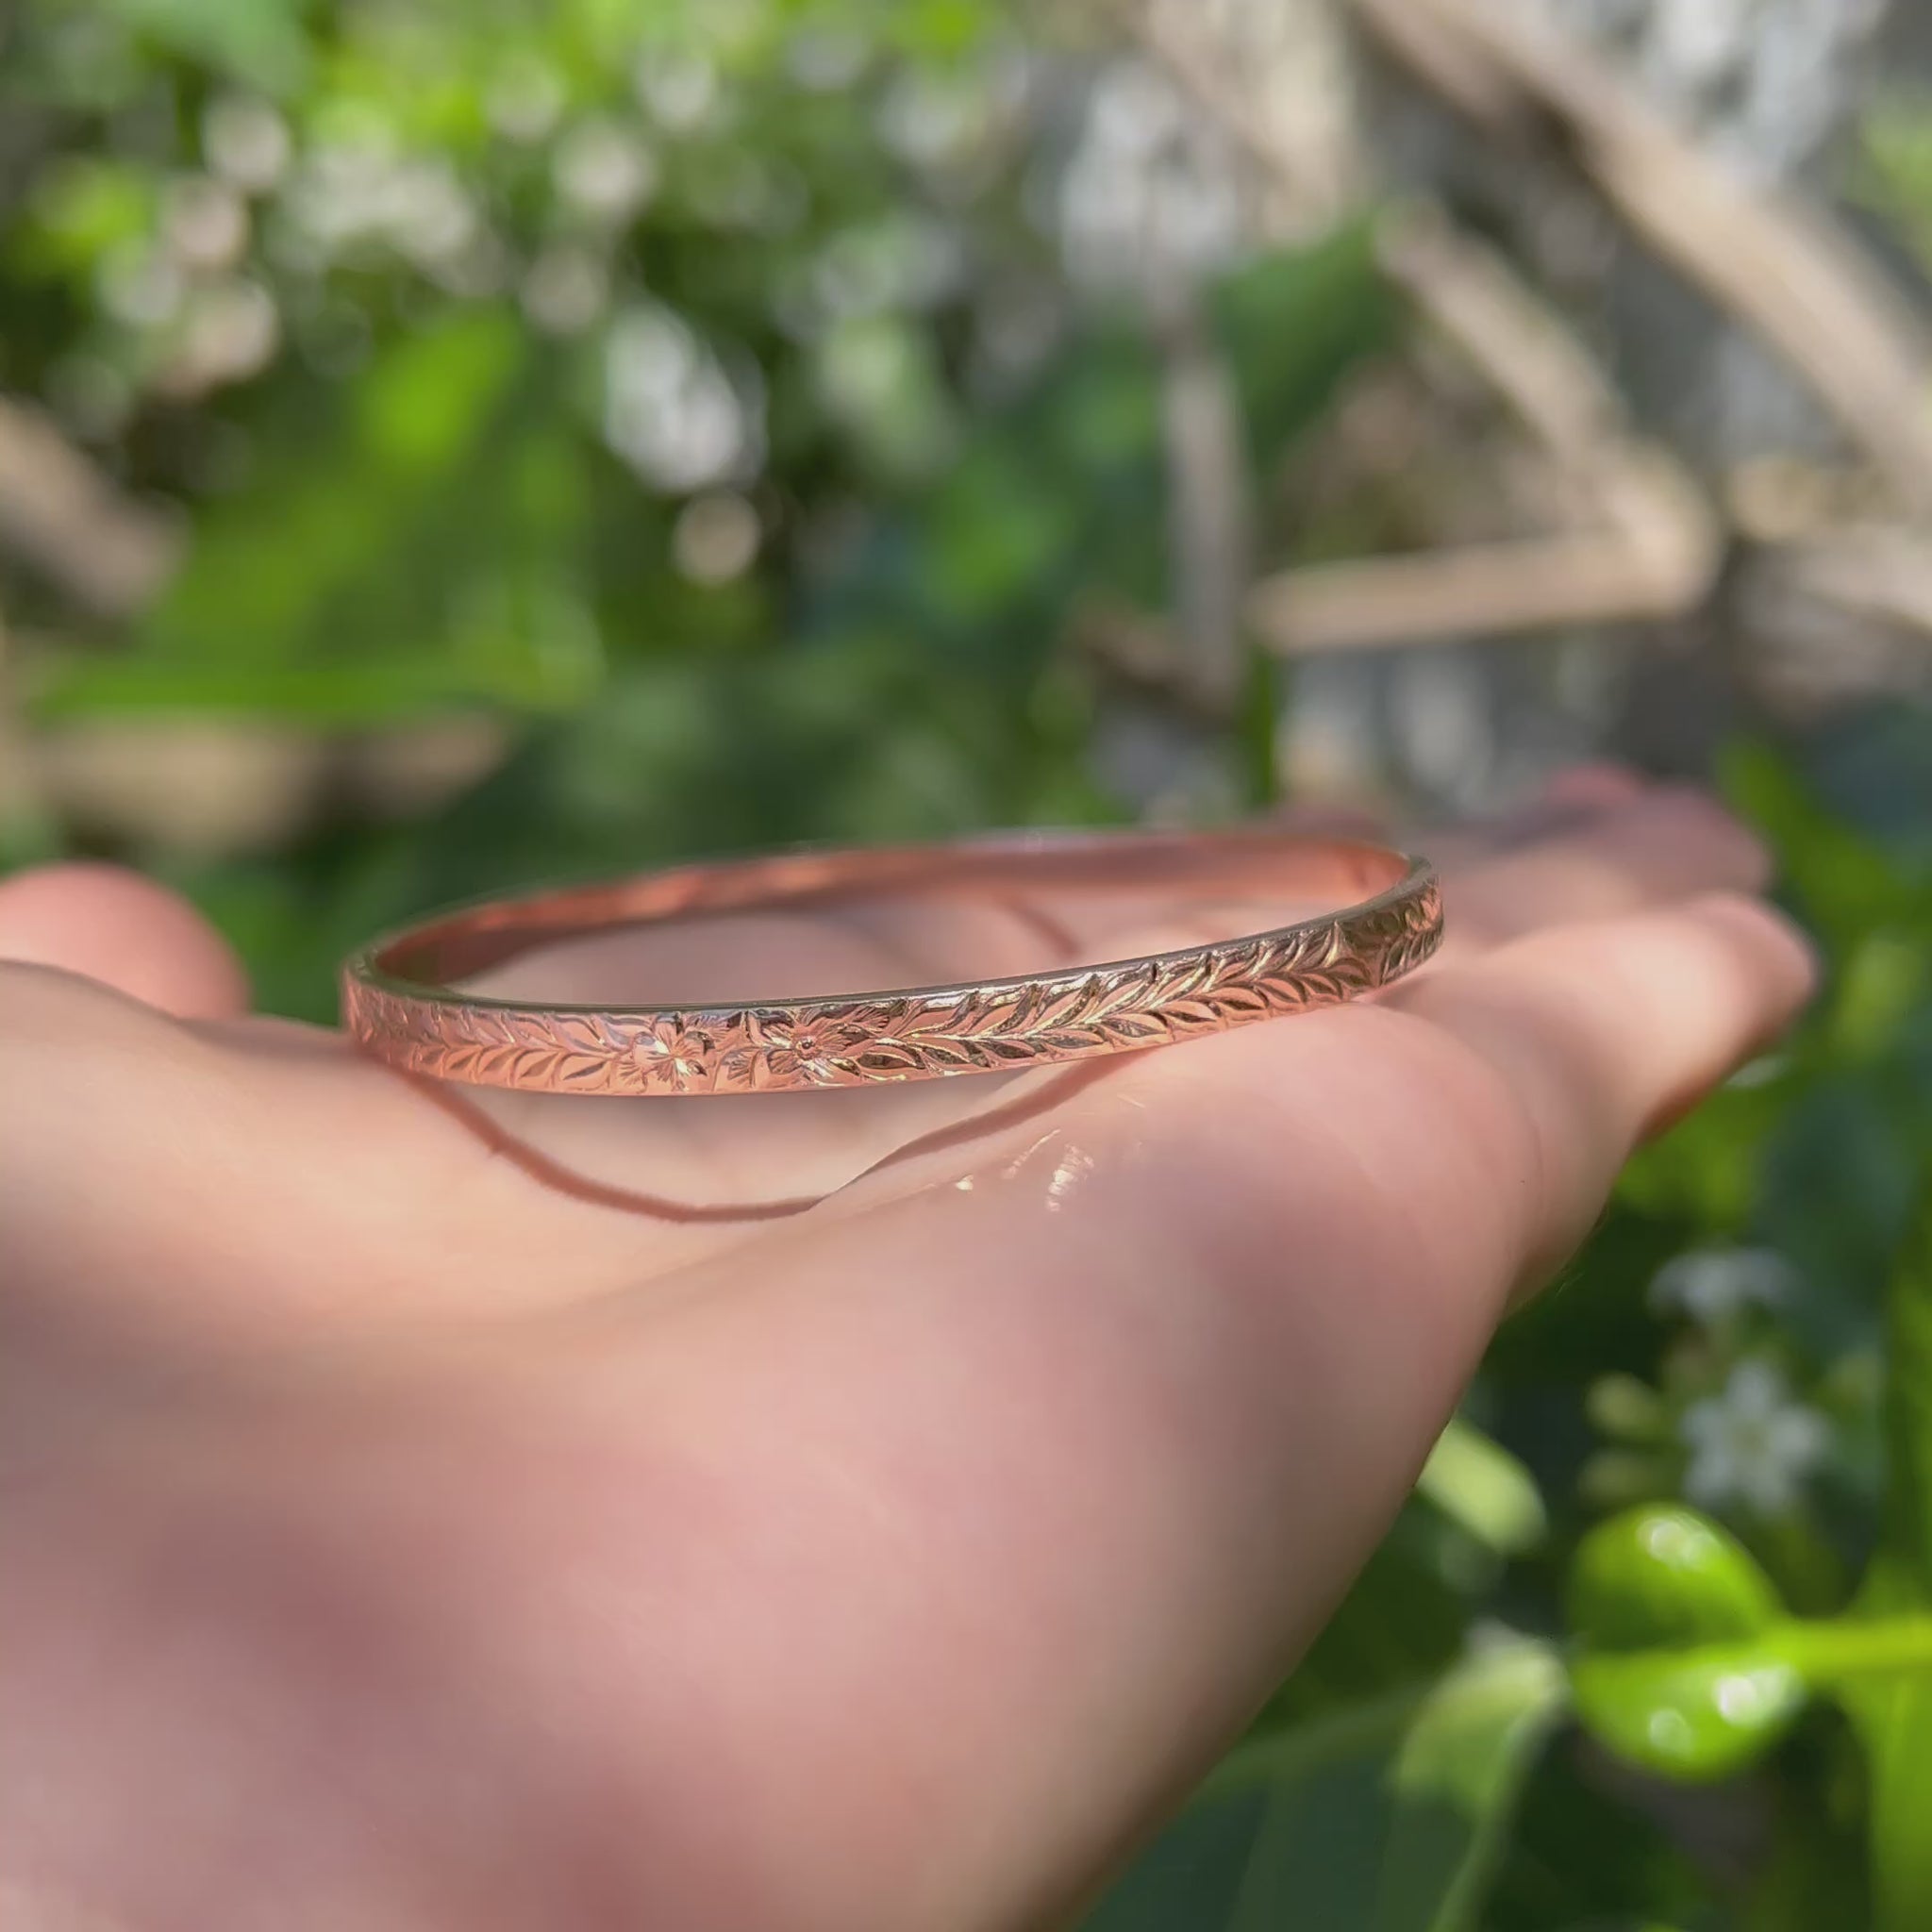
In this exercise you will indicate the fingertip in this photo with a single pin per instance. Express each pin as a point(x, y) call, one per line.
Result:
point(113, 925)
point(1610, 1028)
point(1782, 953)
point(1318, 818)
point(1709, 828)
point(1593, 787)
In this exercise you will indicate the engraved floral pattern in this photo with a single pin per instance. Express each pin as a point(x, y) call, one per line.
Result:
point(673, 1054)
point(789, 1049)
point(863, 1042)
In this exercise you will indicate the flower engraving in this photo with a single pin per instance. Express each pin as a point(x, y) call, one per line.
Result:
point(789, 1048)
point(977, 1027)
point(672, 1055)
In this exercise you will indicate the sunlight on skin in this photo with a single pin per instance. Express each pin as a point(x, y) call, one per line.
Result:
point(733, 1151)
point(397, 1537)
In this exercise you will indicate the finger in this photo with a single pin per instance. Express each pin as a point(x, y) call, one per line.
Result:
point(1642, 846)
point(1598, 785)
point(1320, 819)
point(1601, 1030)
point(1663, 844)
point(1164, 1370)
point(125, 931)
point(1540, 868)
point(1565, 801)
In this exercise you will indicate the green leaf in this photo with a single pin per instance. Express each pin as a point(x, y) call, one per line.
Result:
point(1404, 1624)
point(340, 696)
point(1059, 495)
point(1707, 1710)
point(424, 550)
point(1686, 1668)
point(1894, 1723)
point(270, 569)
point(1667, 1578)
point(1844, 882)
point(1294, 322)
point(80, 207)
point(1894, 1719)
point(1454, 1785)
point(1387, 1816)
point(261, 42)
point(1692, 1715)
point(1908, 1416)
point(1474, 1481)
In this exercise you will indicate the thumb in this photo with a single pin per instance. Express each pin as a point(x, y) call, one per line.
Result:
point(113, 925)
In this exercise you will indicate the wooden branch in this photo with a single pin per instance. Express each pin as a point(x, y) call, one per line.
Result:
point(1522, 347)
point(1655, 548)
point(1142, 652)
point(63, 514)
point(1176, 46)
point(1872, 570)
point(1782, 266)
point(1655, 557)
point(1653, 551)
point(1207, 508)
point(1775, 260)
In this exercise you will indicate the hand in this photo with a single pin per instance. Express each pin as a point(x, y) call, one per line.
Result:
point(426, 1511)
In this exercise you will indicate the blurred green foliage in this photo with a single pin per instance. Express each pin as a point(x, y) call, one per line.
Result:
point(685, 387)
point(1723, 1336)
point(696, 395)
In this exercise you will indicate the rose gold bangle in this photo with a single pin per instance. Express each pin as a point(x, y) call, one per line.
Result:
point(399, 1005)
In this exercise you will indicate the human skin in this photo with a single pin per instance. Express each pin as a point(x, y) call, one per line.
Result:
point(432, 1514)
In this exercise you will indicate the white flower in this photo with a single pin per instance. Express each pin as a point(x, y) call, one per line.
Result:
point(139, 287)
point(338, 194)
point(670, 410)
point(231, 331)
point(1711, 1284)
point(207, 222)
point(824, 60)
point(427, 213)
point(715, 537)
point(1751, 1442)
point(931, 119)
point(357, 193)
point(524, 99)
point(899, 263)
point(1145, 190)
point(566, 289)
point(604, 170)
point(246, 141)
point(678, 90)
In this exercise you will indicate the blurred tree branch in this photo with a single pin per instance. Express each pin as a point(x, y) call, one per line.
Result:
point(61, 513)
point(1653, 541)
point(1781, 265)
point(1207, 508)
point(1651, 550)
point(1653, 545)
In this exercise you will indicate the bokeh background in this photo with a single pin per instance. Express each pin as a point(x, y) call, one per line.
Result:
point(444, 446)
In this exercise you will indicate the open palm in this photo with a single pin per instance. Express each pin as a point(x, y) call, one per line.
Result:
point(430, 1510)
